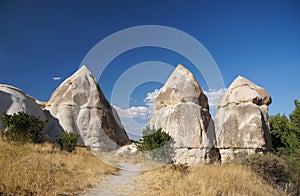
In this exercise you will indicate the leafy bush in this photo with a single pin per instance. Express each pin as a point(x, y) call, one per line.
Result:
point(157, 144)
point(22, 127)
point(271, 168)
point(68, 141)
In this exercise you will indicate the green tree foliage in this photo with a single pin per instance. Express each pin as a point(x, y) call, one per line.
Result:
point(68, 141)
point(157, 144)
point(280, 131)
point(295, 119)
point(22, 127)
point(286, 132)
point(286, 142)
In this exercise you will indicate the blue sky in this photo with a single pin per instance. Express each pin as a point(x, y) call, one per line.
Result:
point(260, 40)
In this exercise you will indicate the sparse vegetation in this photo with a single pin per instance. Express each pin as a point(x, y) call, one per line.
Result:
point(41, 169)
point(184, 169)
point(226, 179)
point(156, 143)
point(22, 127)
point(271, 168)
point(68, 141)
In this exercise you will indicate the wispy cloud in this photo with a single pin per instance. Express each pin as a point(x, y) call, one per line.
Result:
point(56, 78)
point(214, 97)
point(140, 112)
point(150, 99)
point(151, 96)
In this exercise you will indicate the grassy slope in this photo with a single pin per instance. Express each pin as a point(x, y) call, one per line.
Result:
point(228, 179)
point(42, 170)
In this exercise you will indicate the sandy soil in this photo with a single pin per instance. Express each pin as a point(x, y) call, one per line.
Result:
point(122, 184)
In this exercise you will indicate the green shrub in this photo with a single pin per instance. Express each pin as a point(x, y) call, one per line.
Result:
point(271, 168)
point(294, 167)
point(157, 144)
point(68, 141)
point(22, 127)
point(286, 132)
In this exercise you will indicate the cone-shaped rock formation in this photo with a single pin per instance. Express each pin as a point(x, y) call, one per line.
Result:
point(181, 109)
point(81, 107)
point(241, 121)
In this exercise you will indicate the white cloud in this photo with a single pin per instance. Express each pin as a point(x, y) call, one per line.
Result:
point(214, 97)
point(151, 96)
point(150, 99)
point(56, 78)
point(140, 112)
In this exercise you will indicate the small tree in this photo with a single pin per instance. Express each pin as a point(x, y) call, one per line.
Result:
point(280, 132)
point(295, 119)
point(286, 143)
point(156, 143)
point(68, 141)
point(22, 127)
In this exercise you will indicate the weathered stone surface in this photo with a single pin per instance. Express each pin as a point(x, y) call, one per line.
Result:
point(193, 156)
point(181, 87)
point(81, 107)
point(189, 124)
point(14, 100)
point(243, 91)
point(181, 109)
point(241, 121)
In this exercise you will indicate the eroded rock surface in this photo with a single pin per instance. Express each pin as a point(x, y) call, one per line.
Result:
point(181, 109)
point(79, 106)
point(14, 100)
point(241, 122)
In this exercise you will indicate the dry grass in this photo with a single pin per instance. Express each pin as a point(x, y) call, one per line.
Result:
point(43, 170)
point(229, 179)
point(141, 161)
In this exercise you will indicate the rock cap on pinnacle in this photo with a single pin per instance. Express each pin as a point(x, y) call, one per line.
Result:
point(181, 87)
point(81, 79)
point(243, 90)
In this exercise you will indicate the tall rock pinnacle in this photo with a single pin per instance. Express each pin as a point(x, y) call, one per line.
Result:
point(242, 125)
point(81, 107)
point(181, 109)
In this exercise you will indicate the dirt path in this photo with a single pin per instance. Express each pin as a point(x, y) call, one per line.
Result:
point(122, 184)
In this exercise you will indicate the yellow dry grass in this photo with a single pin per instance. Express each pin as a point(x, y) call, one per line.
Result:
point(228, 179)
point(43, 170)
